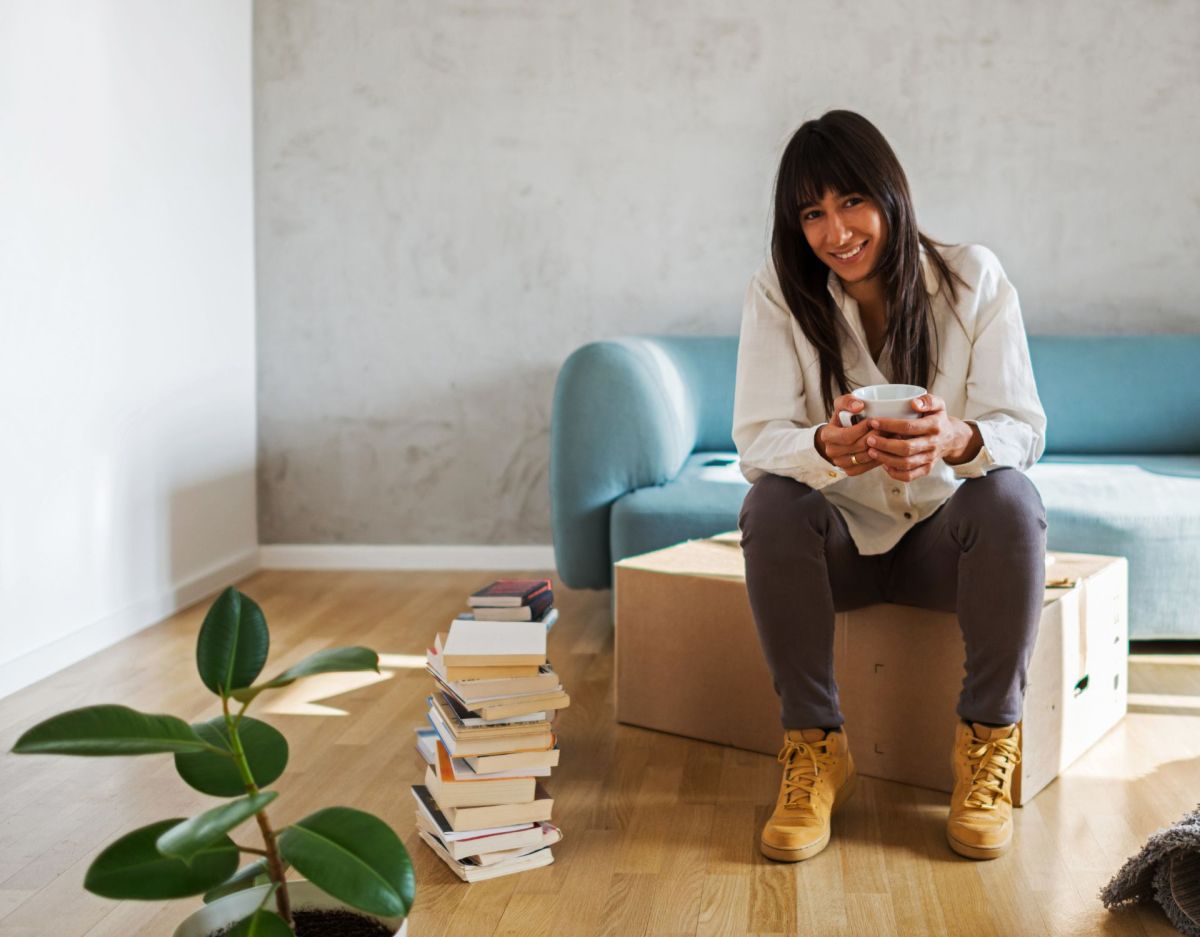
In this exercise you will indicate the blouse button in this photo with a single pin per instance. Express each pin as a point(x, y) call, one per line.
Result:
point(833, 474)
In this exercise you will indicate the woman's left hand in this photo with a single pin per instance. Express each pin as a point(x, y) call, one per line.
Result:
point(922, 441)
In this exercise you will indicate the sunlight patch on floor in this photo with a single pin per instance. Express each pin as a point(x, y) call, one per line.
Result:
point(301, 698)
point(403, 661)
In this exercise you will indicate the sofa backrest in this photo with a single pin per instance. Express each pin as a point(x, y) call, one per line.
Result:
point(1109, 394)
point(1119, 394)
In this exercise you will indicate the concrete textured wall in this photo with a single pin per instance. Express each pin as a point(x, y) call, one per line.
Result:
point(452, 196)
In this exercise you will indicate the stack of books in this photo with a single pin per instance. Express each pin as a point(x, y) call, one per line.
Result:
point(513, 600)
point(490, 740)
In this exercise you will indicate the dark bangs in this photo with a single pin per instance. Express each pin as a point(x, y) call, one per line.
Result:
point(812, 165)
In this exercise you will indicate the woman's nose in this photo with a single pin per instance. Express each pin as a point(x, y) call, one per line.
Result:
point(837, 232)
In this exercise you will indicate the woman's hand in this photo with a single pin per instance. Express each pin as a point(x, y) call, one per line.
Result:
point(921, 441)
point(845, 447)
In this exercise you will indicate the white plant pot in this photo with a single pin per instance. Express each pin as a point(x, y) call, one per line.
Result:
point(232, 908)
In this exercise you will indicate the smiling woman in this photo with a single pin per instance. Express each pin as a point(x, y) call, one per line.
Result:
point(846, 513)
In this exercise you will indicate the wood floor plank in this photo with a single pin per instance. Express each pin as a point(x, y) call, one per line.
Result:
point(724, 905)
point(660, 832)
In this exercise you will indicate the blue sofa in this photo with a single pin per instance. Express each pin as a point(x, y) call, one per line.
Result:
point(642, 457)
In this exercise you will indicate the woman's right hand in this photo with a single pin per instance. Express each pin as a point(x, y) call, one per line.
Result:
point(846, 447)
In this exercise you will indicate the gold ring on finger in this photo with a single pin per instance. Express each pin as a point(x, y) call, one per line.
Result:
point(853, 459)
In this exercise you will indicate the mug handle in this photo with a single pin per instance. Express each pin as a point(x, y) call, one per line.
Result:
point(849, 419)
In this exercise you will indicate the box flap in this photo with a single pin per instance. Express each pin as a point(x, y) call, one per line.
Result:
point(718, 557)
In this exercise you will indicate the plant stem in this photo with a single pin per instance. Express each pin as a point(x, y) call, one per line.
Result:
point(251, 850)
point(275, 867)
point(274, 862)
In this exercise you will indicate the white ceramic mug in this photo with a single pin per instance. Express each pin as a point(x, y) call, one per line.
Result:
point(884, 401)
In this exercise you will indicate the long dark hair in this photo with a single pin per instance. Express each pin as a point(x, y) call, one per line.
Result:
point(843, 152)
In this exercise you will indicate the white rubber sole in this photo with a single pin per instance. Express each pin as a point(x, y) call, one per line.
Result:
point(978, 852)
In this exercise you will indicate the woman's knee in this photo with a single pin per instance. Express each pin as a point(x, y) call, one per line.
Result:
point(780, 507)
point(1003, 499)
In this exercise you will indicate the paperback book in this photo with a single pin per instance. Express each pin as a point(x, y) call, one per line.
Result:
point(508, 592)
point(462, 770)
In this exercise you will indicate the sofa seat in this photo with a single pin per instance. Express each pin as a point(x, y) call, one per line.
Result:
point(1143, 507)
point(703, 499)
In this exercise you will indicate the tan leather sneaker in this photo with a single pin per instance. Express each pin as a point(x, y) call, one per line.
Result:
point(818, 776)
point(984, 762)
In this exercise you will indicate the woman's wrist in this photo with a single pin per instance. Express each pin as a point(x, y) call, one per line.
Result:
point(819, 443)
point(971, 441)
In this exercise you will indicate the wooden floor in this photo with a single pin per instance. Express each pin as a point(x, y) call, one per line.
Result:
point(660, 831)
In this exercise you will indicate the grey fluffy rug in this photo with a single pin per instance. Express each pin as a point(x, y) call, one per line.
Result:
point(1167, 870)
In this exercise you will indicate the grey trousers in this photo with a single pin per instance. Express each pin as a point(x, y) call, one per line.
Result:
point(981, 555)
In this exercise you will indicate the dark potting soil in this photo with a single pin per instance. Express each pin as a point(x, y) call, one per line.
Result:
point(337, 923)
point(332, 923)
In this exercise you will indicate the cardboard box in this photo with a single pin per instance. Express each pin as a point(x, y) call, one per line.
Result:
point(688, 661)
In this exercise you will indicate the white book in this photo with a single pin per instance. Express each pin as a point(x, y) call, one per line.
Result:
point(506, 721)
point(479, 643)
point(474, 873)
point(512, 761)
point(427, 747)
point(428, 808)
point(548, 619)
point(474, 847)
point(506, 855)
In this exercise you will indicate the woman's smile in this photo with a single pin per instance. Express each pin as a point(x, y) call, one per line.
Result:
point(851, 255)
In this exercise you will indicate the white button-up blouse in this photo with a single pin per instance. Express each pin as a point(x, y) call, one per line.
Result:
point(984, 375)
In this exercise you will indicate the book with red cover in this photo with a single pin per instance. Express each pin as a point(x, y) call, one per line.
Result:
point(507, 593)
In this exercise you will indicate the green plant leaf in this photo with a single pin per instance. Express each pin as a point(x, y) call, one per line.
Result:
point(262, 923)
point(210, 773)
point(246, 877)
point(233, 643)
point(331, 660)
point(132, 867)
point(186, 840)
point(109, 730)
point(353, 856)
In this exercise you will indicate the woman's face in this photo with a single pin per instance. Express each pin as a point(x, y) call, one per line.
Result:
point(847, 231)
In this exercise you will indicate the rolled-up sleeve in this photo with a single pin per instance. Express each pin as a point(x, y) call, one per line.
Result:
point(770, 426)
point(1001, 395)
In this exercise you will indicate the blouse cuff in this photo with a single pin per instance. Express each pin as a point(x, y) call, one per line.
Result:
point(983, 461)
point(802, 461)
point(818, 472)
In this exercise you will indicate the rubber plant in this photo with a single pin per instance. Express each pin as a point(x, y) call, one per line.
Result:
point(351, 855)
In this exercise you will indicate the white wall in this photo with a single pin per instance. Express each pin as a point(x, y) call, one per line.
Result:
point(127, 337)
point(454, 194)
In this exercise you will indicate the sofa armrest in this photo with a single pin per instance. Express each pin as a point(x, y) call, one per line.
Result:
point(624, 418)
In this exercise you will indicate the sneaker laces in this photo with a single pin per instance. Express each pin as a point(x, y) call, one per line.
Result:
point(803, 763)
point(992, 761)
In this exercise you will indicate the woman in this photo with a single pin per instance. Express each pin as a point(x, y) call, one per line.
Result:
point(932, 511)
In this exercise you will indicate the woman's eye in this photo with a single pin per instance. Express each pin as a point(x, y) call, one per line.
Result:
point(853, 200)
point(809, 216)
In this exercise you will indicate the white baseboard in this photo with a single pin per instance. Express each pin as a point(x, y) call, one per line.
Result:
point(405, 556)
point(44, 661)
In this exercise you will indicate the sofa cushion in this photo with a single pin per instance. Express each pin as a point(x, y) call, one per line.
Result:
point(1100, 395)
point(1145, 508)
point(704, 499)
